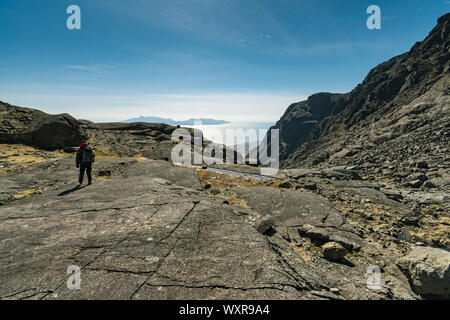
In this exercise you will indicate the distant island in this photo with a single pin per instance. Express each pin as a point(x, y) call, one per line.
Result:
point(189, 122)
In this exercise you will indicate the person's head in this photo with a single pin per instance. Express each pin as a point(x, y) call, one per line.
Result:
point(84, 144)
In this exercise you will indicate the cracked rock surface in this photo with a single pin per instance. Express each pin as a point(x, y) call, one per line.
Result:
point(136, 238)
point(148, 231)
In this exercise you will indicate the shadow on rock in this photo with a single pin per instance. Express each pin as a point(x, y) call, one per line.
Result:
point(345, 262)
point(64, 193)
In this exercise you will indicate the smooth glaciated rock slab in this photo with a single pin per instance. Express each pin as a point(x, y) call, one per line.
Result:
point(291, 208)
point(176, 175)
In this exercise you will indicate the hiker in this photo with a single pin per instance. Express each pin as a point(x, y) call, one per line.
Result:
point(84, 160)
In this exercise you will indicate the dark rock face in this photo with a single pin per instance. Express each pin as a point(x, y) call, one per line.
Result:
point(301, 121)
point(38, 129)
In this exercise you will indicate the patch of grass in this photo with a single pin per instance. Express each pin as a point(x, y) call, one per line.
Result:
point(19, 156)
point(26, 193)
point(302, 252)
point(233, 200)
point(220, 181)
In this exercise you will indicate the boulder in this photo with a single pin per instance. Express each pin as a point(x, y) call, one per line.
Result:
point(416, 183)
point(429, 184)
point(318, 235)
point(265, 224)
point(340, 174)
point(57, 131)
point(313, 233)
point(285, 185)
point(334, 251)
point(428, 271)
point(422, 164)
point(418, 176)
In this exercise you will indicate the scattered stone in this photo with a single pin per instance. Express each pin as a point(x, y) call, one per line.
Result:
point(416, 183)
point(422, 165)
point(367, 215)
point(314, 233)
point(346, 243)
point(307, 185)
point(340, 174)
point(214, 191)
point(104, 173)
point(392, 194)
point(410, 220)
point(334, 251)
point(429, 184)
point(334, 290)
point(264, 224)
point(418, 176)
point(285, 185)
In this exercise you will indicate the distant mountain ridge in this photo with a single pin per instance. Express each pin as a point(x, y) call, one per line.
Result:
point(189, 122)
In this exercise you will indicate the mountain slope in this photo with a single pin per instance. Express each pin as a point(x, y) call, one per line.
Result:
point(397, 114)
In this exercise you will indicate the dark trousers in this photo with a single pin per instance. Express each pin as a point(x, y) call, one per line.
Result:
point(88, 168)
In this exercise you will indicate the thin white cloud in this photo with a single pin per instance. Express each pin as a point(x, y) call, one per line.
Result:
point(252, 26)
point(82, 68)
point(106, 107)
point(92, 68)
point(225, 22)
point(329, 48)
point(388, 18)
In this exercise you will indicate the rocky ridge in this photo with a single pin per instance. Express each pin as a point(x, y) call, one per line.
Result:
point(396, 117)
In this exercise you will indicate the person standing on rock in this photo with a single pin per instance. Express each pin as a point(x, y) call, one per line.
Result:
point(84, 160)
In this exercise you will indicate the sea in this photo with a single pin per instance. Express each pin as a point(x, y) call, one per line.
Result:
point(242, 132)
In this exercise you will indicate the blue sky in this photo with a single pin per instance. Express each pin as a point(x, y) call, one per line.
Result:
point(223, 59)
